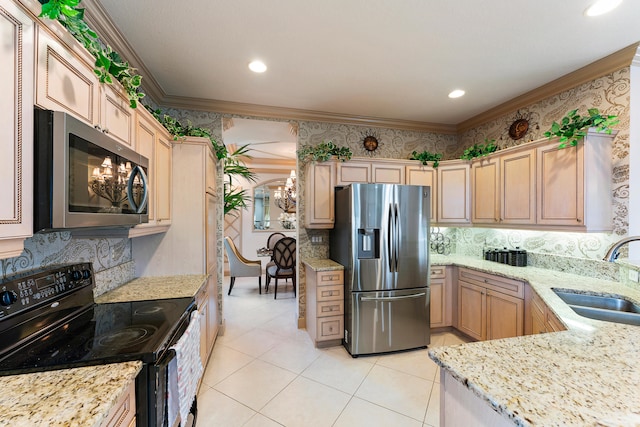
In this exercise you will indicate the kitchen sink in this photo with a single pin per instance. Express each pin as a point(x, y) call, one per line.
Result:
point(609, 309)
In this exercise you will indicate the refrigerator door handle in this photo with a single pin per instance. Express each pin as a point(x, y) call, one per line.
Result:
point(390, 240)
point(396, 232)
point(421, 294)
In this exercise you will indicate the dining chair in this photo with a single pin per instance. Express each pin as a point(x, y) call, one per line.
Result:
point(271, 242)
point(239, 266)
point(284, 260)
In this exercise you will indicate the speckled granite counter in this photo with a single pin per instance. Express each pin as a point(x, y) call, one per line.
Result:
point(321, 264)
point(587, 375)
point(161, 287)
point(79, 397)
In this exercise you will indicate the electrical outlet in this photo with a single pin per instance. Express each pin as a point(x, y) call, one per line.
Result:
point(633, 275)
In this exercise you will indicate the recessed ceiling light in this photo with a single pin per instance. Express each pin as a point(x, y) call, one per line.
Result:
point(257, 67)
point(456, 93)
point(601, 7)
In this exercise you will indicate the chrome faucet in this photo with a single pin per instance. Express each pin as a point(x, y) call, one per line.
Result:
point(612, 253)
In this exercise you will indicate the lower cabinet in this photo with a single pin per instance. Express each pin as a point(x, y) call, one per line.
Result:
point(489, 307)
point(541, 318)
point(325, 306)
point(441, 298)
point(206, 300)
point(123, 413)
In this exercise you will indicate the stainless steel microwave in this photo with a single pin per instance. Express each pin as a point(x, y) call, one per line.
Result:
point(84, 178)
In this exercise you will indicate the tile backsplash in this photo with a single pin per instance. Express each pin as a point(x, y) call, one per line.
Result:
point(111, 257)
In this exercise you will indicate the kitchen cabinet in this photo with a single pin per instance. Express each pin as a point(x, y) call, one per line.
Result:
point(153, 142)
point(387, 173)
point(325, 306)
point(116, 118)
point(540, 318)
point(123, 412)
point(574, 184)
point(16, 128)
point(428, 176)
point(319, 194)
point(489, 306)
point(367, 171)
point(454, 195)
point(189, 246)
point(206, 302)
point(503, 188)
point(353, 171)
point(440, 297)
point(485, 188)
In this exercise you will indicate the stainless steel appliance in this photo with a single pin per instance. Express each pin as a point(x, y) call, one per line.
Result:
point(381, 237)
point(83, 178)
point(48, 321)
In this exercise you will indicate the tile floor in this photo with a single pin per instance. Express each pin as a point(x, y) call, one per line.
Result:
point(266, 372)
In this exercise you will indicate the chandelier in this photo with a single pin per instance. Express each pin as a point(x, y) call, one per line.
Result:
point(286, 198)
point(112, 184)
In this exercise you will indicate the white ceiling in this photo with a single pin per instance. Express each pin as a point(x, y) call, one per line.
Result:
point(375, 58)
point(267, 139)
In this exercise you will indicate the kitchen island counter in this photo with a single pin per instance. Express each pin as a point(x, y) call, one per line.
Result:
point(586, 375)
point(156, 287)
point(79, 397)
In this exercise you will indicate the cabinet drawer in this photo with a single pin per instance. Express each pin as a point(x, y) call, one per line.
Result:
point(330, 308)
point(330, 328)
point(333, 277)
point(330, 292)
point(499, 284)
point(438, 271)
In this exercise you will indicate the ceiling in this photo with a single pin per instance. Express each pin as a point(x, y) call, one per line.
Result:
point(386, 59)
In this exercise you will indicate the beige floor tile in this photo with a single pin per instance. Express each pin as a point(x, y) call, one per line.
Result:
point(215, 409)
point(255, 384)
point(259, 420)
point(306, 403)
point(362, 413)
point(293, 355)
point(223, 362)
point(433, 410)
point(400, 392)
point(338, 371)
point(415, 362)
point(255, 342)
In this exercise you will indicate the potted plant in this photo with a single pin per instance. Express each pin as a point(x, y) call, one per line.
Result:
point(574, 126)
point(323, 152)
point(425, 157)
point(480, 150)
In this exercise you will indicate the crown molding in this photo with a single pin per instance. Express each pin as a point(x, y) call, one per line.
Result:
point(599, 68)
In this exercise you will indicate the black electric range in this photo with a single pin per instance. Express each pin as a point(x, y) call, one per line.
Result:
point(48, 320)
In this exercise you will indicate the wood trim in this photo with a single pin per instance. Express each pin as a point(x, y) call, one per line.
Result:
point(599, 68)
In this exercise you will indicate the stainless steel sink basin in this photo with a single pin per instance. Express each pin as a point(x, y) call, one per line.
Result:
point(609, 309)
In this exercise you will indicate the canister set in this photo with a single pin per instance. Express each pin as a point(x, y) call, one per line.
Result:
point(516, 257)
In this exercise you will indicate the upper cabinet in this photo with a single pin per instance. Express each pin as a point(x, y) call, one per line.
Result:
point(454, 195)
point(319, 194)
point(16, 128)
point(424, 175)
point(353, 171)
point(116, 117)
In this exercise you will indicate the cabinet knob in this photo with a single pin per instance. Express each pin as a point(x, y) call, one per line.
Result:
point(578, 220)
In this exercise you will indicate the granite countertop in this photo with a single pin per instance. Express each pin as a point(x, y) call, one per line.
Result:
point(79, 397)
point(587, 375)
point(160, 287)
point(321, 264)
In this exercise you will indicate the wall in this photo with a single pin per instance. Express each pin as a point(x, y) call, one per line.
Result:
point(111, 257)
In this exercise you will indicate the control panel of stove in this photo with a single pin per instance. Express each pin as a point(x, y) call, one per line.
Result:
point(28, 289)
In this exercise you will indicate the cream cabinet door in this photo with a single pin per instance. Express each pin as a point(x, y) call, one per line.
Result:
point(505, 315)
point(472, 309)
point(485, 179)
point(163, 179)
point(319, 195)
point(116, 118)
point(65, 82)
point(16, 128)
point(560, 185)
point(146, 135)
point(427, 176)
point(351, 172)
point(386, 173)
point(518, 187)
point(453, 193)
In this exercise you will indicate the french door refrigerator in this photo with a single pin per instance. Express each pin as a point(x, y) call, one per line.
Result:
point(380, 236)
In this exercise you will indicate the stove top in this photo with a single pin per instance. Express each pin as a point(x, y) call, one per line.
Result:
point(63, 331)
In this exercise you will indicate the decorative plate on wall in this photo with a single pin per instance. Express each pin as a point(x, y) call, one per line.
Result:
point(518, 128)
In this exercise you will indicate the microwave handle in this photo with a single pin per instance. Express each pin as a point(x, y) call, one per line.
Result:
point(143, 177)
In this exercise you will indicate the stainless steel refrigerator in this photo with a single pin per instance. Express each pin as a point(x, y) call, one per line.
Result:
point(381, 237)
